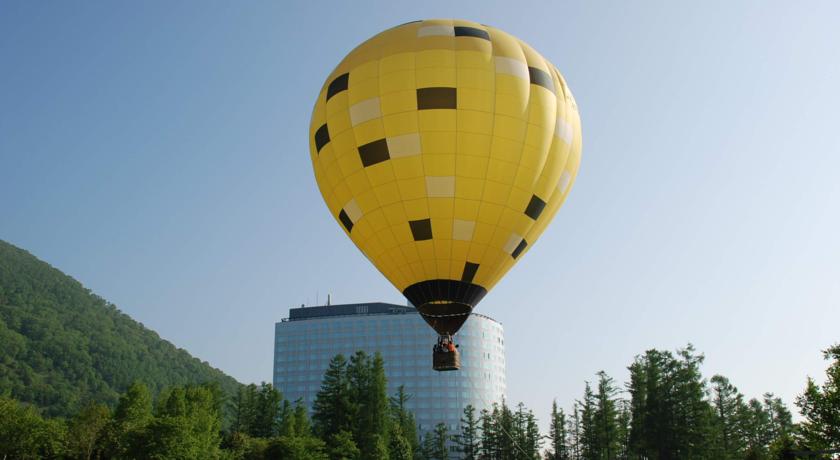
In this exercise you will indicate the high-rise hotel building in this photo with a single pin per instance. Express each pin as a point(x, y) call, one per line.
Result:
point(305, 342)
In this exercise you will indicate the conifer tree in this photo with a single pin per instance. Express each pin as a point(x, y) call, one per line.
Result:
point(820, 407)
point(403, 417)
point(605, 419)
point(437, 449)
point(333, 410)
point(728, 406)
point(588, 433)
point(468, 439)
point(557, 434)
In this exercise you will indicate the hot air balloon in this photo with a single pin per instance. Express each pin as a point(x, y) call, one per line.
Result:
point(443, 148)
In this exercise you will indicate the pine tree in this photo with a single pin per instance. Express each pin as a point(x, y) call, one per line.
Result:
point(437, 445)
point(468, 440)
point(489, 444)
point(404, 418)
point(574, 430)
point(333, 410)
point(728, 405)
point(605, 419)
point(589, 448)
point(820, 407)
point(557, 434)
point(366, 376)
point(399, 448)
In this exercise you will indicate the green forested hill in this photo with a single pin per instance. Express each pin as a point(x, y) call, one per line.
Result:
point(62, 346)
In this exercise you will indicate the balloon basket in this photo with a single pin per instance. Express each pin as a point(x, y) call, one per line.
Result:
point(445, 360)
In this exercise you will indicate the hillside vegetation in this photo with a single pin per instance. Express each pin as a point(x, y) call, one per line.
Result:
point(62, 346)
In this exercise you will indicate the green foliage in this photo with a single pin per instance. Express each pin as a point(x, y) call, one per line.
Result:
point(403, 419)
point(399, 448)
point(343, 447)
point(820, 406)
point(88, 430)
point(333, 410)
point(261, 412)
point(468, 440)
point(25, 435)
point(557, 434)
point(353, 399)
point(671, 417)
point(434, 443)
point(187, 424)
point(62, 345)
point(296, 448)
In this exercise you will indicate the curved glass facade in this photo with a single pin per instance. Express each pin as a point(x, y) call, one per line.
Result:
point(305, 343)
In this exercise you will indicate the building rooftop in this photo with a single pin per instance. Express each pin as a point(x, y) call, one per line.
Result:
point(350, 309)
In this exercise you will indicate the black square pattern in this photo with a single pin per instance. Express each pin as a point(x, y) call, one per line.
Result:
point(519, 248)
point(541, 78)
point(374, 152)
point(338, 85)
point(345, 219)
point(421, 229)
point(535, 207)
point(469, 272)
point(461, 31)
point(322, 137)
point(437, 98)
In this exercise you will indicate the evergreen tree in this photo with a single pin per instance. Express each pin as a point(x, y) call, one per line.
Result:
point(623, 424)
point(531, 440)
point(489, 437)
point(693, 414)
point(574, 430)
point(301, 419)
point(404, 418)
point(728, 406)
point(670, 416)
point(557, 434)
point(637, 387)
point(468, 439)
point(758, 429)
point(341, 446)
point(368, 392)
point(268, 412)
point(399, 448)
point(333, 411)
point(589, 448)
point(437, 449)
point(820, 407)
point(605, 419)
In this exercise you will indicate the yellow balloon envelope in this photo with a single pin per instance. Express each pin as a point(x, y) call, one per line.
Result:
point(444, 148)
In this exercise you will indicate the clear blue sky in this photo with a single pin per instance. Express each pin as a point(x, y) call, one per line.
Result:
point(157, 151)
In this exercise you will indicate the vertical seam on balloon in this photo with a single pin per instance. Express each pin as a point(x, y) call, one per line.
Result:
point(390, 163)
point(422, 166)
point(490, 148)
point(455, 173)
point(534, 226)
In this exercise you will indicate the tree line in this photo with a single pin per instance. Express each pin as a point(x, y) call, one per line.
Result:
point(667, 410)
